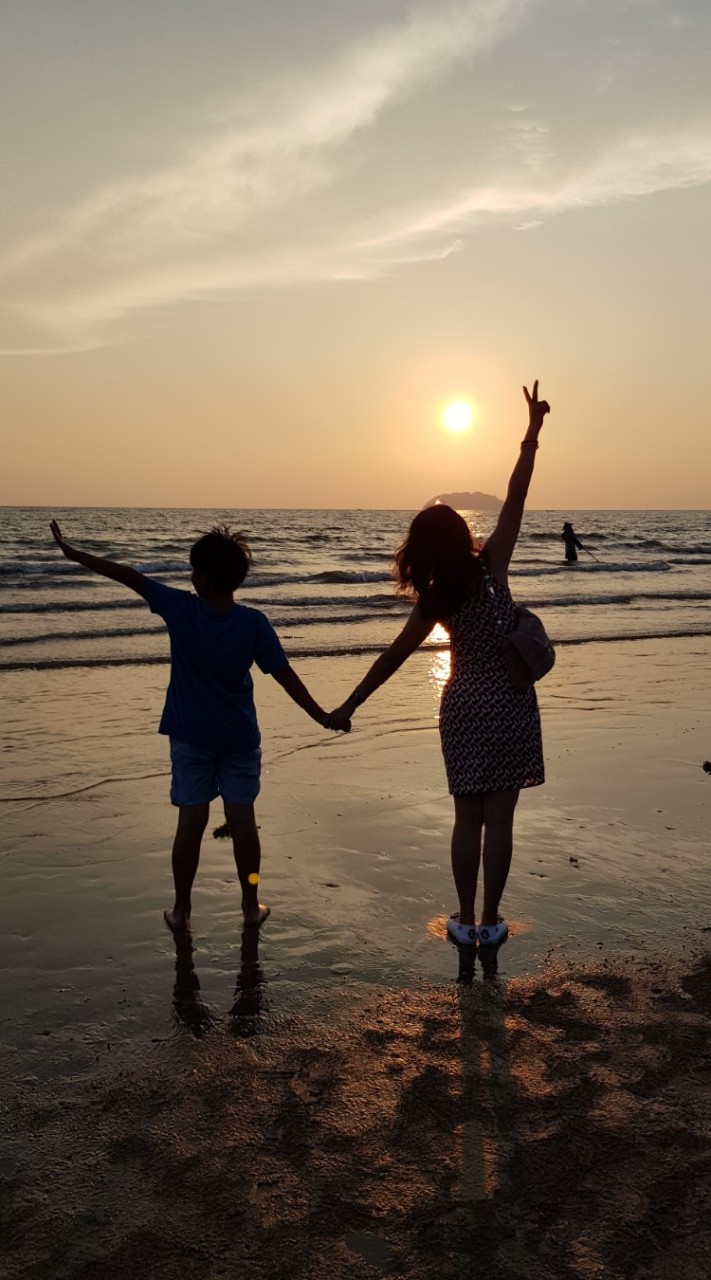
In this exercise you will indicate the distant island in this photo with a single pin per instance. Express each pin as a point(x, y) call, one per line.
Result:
point(468, 501)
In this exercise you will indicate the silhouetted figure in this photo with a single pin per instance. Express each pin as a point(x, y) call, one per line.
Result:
point(490, 731)
point(572, 542)
point(209, 713)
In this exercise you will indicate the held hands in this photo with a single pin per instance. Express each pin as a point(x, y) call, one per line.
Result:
point(537, 409)
point(340, 718)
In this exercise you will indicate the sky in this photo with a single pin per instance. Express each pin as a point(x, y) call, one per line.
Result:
point(248, 251)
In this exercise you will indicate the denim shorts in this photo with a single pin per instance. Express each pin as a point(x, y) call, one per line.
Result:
point(199, 776)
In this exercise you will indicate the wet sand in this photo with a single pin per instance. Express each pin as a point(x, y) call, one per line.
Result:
point(554, 1127)
point(611, 855)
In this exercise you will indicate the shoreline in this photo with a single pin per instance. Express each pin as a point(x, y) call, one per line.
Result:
point(354, 651)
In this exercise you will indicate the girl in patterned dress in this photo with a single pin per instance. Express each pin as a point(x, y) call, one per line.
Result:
point(490, 731)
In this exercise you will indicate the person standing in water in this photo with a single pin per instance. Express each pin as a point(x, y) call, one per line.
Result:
point(490, 731)
point(571, 542)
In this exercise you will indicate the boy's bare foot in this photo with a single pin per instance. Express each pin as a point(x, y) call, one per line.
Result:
point(256, 915)
point(176, 920)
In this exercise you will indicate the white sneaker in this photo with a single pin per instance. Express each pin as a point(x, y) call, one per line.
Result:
point(490, 935)
point(464, 934)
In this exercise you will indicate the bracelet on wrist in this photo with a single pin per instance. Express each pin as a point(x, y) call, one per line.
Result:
point(356, 698)
point(533, 444)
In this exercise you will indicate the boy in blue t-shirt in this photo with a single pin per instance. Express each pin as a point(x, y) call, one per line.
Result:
point(209, 713)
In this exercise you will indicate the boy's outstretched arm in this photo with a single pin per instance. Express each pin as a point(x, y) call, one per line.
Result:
point(122, 573)
point(296, 689)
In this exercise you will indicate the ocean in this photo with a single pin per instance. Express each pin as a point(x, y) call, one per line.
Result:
point(324, 579)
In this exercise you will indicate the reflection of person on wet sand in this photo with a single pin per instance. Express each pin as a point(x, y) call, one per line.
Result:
point(249, 998)
point(489, 960)
point(572, 542)
point(249, 1001)
point(188, 1004)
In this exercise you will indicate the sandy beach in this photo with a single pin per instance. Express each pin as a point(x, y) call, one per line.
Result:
point(334, 1101)
point(554, 1126)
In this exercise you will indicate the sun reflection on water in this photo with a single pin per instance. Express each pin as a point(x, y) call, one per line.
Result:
point(441, 663)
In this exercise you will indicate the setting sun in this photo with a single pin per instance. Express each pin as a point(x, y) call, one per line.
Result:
point(458, 415)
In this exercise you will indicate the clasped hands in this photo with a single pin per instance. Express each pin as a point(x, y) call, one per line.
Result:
point(340, 719)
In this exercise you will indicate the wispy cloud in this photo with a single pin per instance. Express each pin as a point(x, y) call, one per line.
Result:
point(78, 322)
point(626, 168)
point(228, 179)
point(196, 227)
point(247, 207)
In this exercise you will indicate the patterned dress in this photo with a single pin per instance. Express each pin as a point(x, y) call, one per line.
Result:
point(490, 731)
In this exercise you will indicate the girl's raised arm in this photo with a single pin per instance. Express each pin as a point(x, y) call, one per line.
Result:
point(500, 546)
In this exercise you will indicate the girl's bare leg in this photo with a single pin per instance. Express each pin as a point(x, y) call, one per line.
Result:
point(192, 820)
point(498, 808)
point(248, 856)
point(466, 851)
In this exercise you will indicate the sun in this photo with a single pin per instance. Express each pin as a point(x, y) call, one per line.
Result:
point(458, 416)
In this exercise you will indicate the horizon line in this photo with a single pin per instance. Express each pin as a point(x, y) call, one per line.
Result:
point(61, 506)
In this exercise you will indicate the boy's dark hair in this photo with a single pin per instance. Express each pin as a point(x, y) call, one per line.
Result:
point(222, 558)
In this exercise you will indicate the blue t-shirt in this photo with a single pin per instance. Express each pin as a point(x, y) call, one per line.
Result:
point(210, 698)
